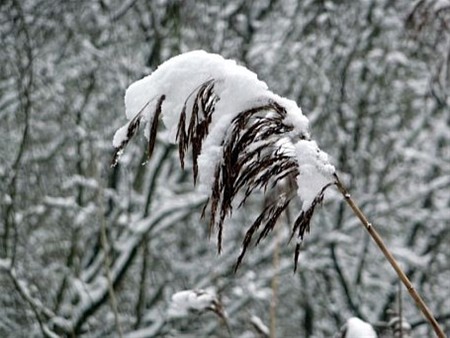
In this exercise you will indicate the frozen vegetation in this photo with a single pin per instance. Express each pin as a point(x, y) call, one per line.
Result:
point(87, 250)
point(242, 135)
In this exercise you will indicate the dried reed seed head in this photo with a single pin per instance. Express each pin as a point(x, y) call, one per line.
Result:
point(203, 106)
point(252, 159)
point(132, 129)
point(154, 126)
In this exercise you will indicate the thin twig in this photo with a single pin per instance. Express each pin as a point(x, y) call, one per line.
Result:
point(40, 311)
point(112, 295)
point(107, 259)
point(378, 240)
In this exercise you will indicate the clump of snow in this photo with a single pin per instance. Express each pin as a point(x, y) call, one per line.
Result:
point(441, 5)
point(120, 135)
point(397, 57)
point(190, 301)
point(180, 76)
point(238, 89)
point(5, 264)
point(315, 171)
point(295, 118)
point(399, 324)
point(357, 328)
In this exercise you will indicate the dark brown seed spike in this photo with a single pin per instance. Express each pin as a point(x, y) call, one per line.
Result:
point(296, 256)
point(215, 197)
point(278, 108)
point(154, 126)
point(203, 213)
point(193, 122)
point(274, 215)
point(133, 127)
point(248, 236)
point(219, 225)
point(289, 170)
point(302, 223)
point(181, 135)
point(209, 100)
point(205, 95)
point(198, 98)
point(195, 153)
point(219, 238)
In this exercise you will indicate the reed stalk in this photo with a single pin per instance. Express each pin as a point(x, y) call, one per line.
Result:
point(382, 246)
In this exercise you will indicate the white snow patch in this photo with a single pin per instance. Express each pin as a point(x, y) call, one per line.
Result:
point(120, 135)
point(5, 264)
point(188, 301)
point(441, 5)
point(62, 202)
point(295, 117)
point(7, 199)
point(259, 325)
point(357, 328)
point(180, 76)
point(397, 57)
point(315, 171)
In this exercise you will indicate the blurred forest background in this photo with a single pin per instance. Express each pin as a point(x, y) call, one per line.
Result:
point(373, 77)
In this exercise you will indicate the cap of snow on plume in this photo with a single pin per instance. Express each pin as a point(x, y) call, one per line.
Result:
point(242, 137)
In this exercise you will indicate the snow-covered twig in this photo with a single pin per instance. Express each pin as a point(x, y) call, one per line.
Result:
point(41, 312)
point(197, 301)
point(190, 301)
point(107, 261)
point(260, 327)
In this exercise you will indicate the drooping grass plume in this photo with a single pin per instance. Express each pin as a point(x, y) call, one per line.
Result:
point(242, 139)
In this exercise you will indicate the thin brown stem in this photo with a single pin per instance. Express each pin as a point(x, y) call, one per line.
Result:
point(107, 263)
point(107, 258)
point(379, 241)
point(275, 285)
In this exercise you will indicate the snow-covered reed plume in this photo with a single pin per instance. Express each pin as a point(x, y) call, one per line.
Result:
point(242, 137)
